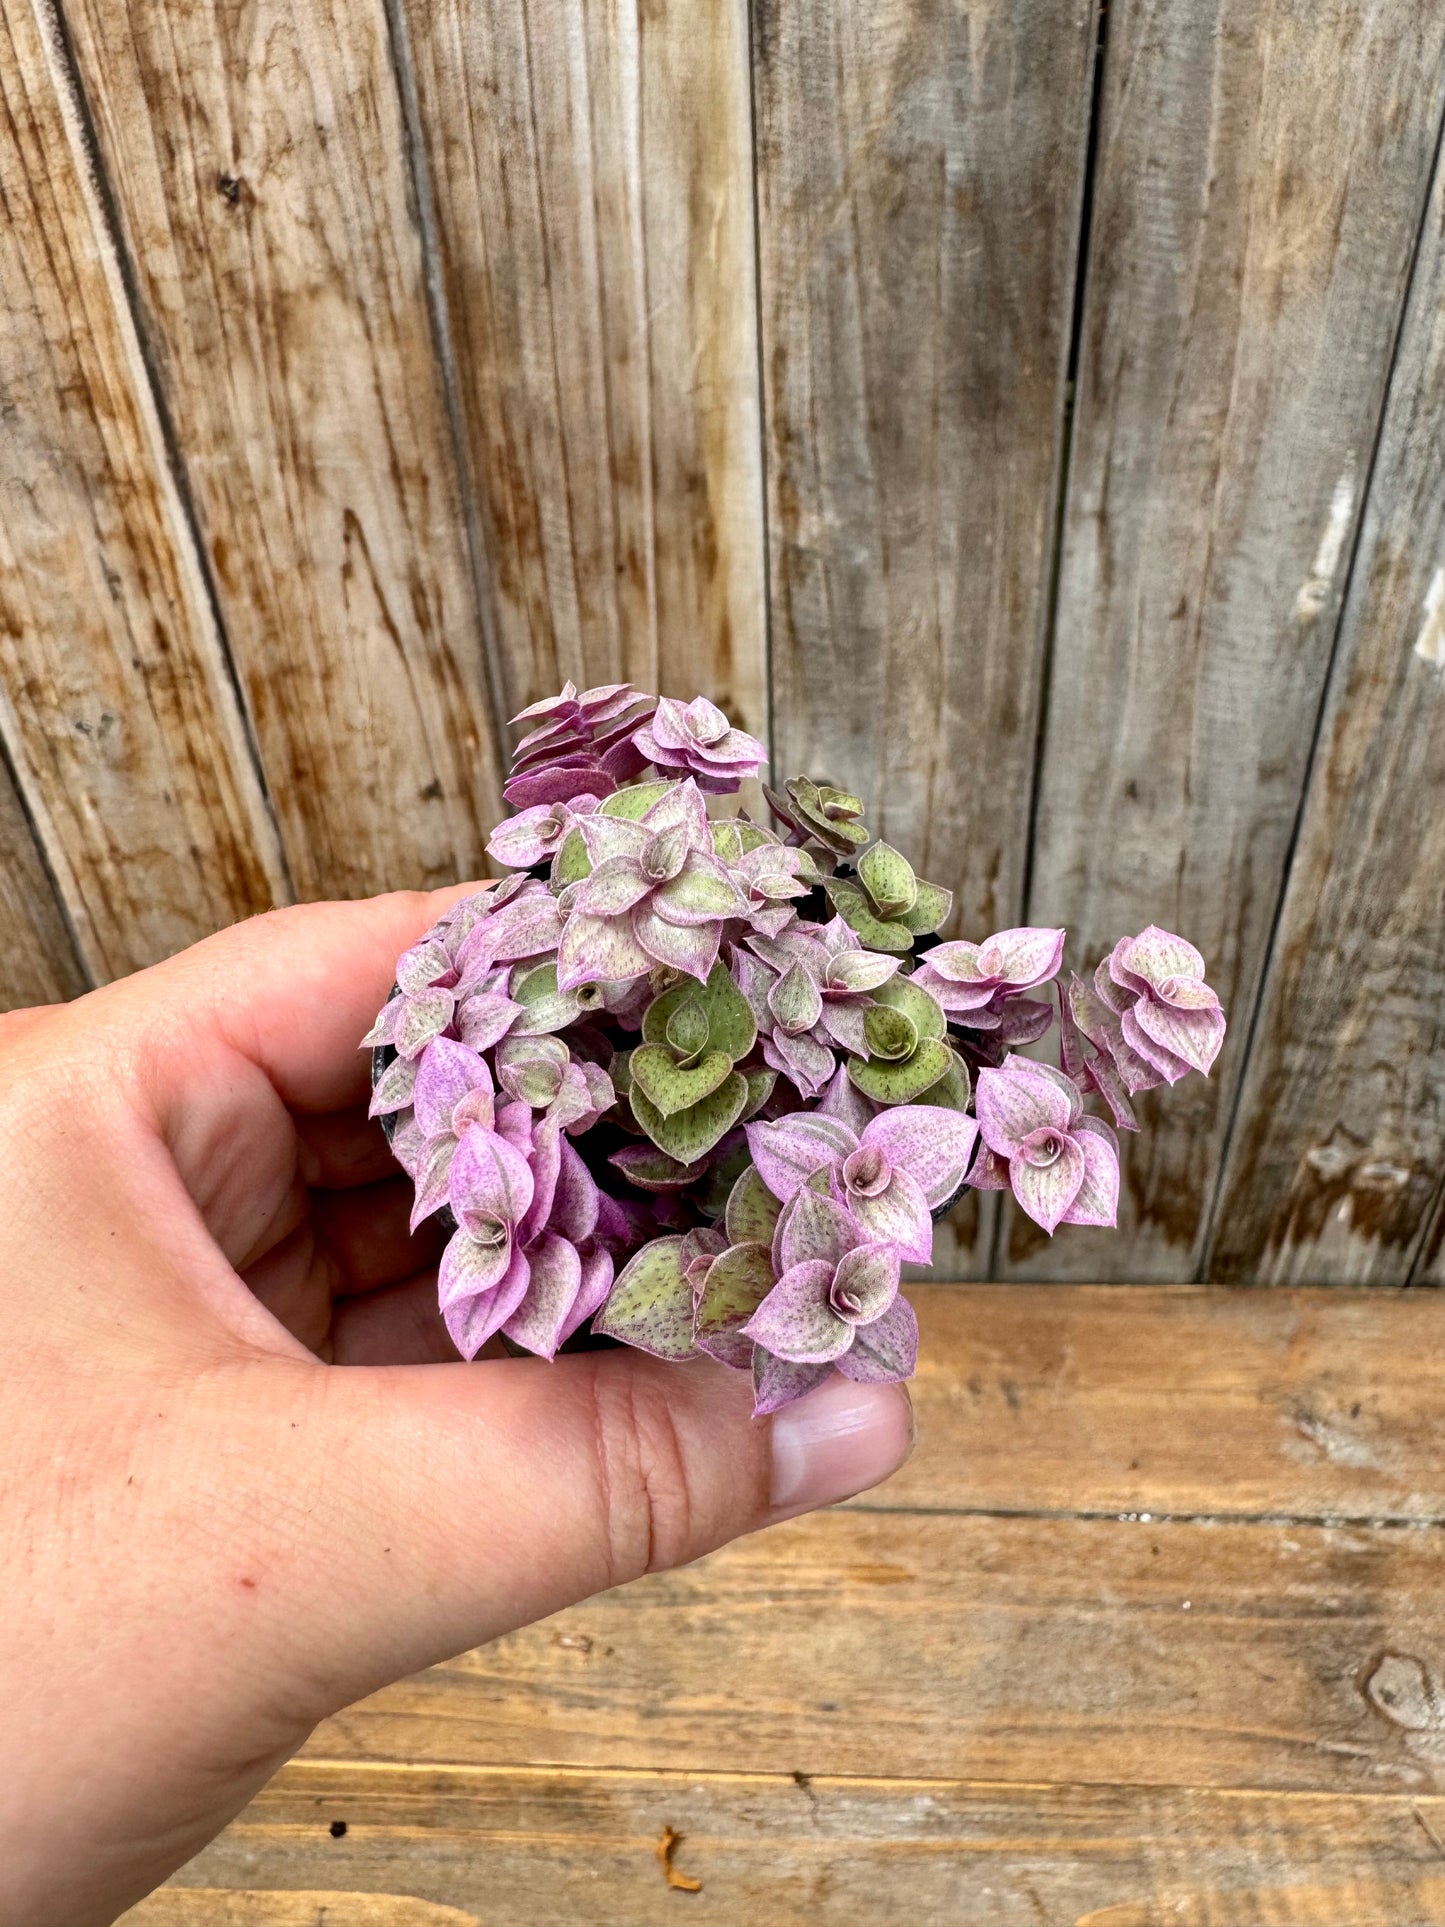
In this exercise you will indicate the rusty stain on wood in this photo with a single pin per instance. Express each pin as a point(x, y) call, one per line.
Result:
point(258, 162)
point(115, 700)
point(1259, 192)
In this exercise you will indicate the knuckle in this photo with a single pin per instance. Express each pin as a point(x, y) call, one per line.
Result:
point(646, 1502)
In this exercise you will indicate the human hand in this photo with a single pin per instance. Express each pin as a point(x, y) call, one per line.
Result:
point(213, 1536)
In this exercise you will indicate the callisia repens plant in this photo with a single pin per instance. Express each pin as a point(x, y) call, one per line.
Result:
point(702, 1085)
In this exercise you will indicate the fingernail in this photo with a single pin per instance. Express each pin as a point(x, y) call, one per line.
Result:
point(838, 1441)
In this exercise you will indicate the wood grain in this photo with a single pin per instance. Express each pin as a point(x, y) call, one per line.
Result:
point(115, 701)
point(38, 961)
point(1019, 1648)
point(259, 165)
point(1261, 177)
point(1339, 1148)
point(593, 194)
point(1177, 1399)
point(575, 1849)
point(920, 169)
point(919, 177)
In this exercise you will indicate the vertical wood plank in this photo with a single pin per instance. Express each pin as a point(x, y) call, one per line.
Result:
point(259, 162)
point(593, 191)
point(1334, 1170)
point(920, 173)
point(38, 964)
point(115, 700)
point(1262, 173)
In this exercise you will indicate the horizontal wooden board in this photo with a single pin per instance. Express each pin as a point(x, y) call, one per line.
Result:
point(1339, 1148)
point(1261, 179)
point(116, 704)
point(258, 160)
point(1003, 1648)
point(437, 1847)
point(592, 179)
point(1177, 1399)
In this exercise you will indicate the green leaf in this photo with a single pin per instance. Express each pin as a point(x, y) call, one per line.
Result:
point(670, 1088)
point(760, 1089)
point(930, 908)
point(887, 876)
point(738, 1281)
point(633, 801)
point(544, 1007)
point(890, 1034)
point(687, 1031)
point(900, 1083)
point(727, 840)
point(731, 1026)
point(926, 1012)
point(952, 1089)
point(753, 1212)
point(650, 1305)
point(571, 862)
point(653, 1170)
point(856, 911)
point(620, 1071)
point(691, 1134)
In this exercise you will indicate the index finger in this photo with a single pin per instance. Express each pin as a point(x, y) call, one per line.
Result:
point(296, 990)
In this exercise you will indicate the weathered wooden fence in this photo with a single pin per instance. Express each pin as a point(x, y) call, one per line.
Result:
point(1034, 414)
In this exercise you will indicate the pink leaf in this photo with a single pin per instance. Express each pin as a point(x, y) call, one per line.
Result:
point(540, 1317)
point(795, 1320)
point(1097, 1199)
point(471, 1321)
point(886, 1351)
point(691, 948)
point(898, 1215)
point(1045, 1191)
point(812, 1227)
point(932, 1144)
point(786, 1154)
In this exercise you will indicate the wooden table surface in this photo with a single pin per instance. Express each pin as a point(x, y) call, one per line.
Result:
point(1151, 1629)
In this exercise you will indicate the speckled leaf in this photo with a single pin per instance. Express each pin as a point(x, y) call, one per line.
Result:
point(930, 909)
point(901, 1083)
point(571, 863)
point(670, 1088)
point(687, 1031)
point(887, 876)
point(856, 911)
point(691, 1134)
point(753, 1212)
point(889, 1034)
point(760, 1088)
point(650, 1304)
point(544, 1007)
point(737, 1283)
point(653, 1170)
point(777, 1381)
point(953, 1089)
point(900, 993)
point(731, 1026)
point(633, 802)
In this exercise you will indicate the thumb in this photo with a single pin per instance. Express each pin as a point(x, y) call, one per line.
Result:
point(462, 1501)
